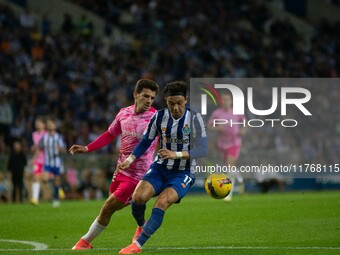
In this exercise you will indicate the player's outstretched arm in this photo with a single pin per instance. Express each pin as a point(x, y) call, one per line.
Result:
point(103, 140)
point(77, 149)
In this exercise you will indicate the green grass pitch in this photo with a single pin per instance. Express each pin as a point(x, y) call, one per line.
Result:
point(287, 223)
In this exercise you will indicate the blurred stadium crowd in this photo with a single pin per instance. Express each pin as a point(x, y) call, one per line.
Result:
point(83, 82)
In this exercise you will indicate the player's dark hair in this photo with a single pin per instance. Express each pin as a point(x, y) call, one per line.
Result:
point(146, 84)
point(176, 88)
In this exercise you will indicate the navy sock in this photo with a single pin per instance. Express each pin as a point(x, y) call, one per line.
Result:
point(138, 212)
point(151, 226)
point(56, 193)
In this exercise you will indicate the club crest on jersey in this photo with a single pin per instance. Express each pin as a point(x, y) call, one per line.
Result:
point(186, 129)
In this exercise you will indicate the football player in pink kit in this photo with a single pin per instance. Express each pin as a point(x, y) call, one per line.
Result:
point(229, 138)
point(130, 122)
point(38, 159)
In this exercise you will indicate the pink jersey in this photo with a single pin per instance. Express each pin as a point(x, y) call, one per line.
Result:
point(132, 126)
point(229, 136)
point(39, 154)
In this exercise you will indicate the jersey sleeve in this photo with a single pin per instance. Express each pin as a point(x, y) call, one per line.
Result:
point(101, 141)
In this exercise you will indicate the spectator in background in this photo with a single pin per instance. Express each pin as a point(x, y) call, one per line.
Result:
point(85, 27)
point(16, 165)
point(27, 20)
point(108, 29)
point(45, 25)
point(17, 129)
point(67, 26)
point(6, 118)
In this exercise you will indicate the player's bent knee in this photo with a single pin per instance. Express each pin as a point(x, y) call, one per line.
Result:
point(143, 192)
point(139, 198)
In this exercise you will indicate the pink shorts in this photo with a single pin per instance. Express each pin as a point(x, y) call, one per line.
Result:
point(233, 151)
point(122, 187)
point(37, 168)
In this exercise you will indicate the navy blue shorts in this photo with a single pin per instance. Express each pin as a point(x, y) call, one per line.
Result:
point(52, 170)
point(161, 178)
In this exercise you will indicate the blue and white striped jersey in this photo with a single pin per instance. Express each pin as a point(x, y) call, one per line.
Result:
point(175, 135)
point(51, 144)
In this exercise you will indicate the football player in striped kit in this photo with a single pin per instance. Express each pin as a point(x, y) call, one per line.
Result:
point(169, 177)
point(53, 145)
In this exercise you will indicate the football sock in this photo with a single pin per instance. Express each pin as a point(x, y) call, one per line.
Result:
point(138, 212)
point(56, 193)
point(94, 230)
point(151, 226)
point(35, 190)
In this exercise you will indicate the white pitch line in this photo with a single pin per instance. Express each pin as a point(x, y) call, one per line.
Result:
point(37, 246)
point(194, 248)
point(248, 248)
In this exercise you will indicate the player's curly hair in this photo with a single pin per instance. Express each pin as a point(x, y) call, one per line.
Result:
point(176, 88)
point(147, 84)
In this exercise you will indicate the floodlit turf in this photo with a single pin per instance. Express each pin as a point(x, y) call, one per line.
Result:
point(288, 223)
